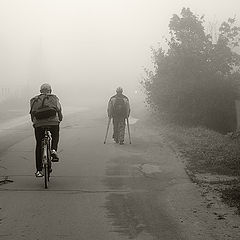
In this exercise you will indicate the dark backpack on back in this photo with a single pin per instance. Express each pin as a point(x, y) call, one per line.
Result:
point(119, 108)
point(44, 106)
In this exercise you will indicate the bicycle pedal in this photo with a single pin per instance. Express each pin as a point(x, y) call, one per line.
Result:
point(55, 160)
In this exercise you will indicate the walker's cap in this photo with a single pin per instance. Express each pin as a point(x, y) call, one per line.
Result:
point(45, 88)
point(119, 89)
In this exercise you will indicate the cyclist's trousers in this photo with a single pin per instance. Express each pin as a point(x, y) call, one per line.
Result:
point(39, 134)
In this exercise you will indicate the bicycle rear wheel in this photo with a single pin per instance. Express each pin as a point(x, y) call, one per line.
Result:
point(46, 176)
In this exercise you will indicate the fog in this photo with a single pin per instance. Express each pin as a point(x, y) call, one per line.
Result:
point(86, 49)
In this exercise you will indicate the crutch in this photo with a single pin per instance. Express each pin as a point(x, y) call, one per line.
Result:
point(109, 120)
point(129, 131)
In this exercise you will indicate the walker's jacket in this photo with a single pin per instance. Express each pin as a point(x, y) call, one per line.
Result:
point(112, 102)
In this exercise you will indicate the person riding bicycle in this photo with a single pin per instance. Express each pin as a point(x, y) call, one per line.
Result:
point(46, 112)
point(119, 110)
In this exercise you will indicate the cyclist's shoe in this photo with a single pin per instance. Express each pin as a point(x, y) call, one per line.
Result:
point(54, 155)
point(39, 174)
point(121, 143)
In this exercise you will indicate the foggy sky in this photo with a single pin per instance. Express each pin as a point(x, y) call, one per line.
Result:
point(89, 46)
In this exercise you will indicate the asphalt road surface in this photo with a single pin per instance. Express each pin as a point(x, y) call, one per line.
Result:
point(99, 191)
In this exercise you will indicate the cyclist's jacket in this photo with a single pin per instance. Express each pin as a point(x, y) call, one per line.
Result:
point(118, 106)
point(51, 120)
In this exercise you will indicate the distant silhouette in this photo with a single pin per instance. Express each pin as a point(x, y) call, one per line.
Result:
point(119, 110)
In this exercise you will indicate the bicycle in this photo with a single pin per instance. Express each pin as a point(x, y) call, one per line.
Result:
point(46, 156)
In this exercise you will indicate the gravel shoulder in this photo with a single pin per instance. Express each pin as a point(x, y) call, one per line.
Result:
point(192, 198)
point(211, 160)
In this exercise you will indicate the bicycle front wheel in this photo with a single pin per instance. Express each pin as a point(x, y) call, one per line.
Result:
point(49, 169)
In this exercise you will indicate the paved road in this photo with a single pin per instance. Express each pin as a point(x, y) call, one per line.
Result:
point(98, 191)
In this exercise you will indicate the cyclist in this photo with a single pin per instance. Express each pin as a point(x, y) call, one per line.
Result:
point(45, 111)
point(119, 110)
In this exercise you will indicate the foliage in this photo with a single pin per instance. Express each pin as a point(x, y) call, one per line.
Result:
point(195, 81)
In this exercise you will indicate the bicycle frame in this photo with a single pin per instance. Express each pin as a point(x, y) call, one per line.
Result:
point(46, 145)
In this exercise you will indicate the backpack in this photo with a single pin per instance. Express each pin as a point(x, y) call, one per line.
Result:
point(44, 106)
point(119, 107)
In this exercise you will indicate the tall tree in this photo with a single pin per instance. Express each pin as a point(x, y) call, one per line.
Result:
point(195, 80)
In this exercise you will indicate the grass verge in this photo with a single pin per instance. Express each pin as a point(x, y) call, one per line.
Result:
point(212, 155)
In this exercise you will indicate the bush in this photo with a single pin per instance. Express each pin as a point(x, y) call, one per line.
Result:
point(195, 82)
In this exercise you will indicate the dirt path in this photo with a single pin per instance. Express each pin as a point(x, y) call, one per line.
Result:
point(137, 191)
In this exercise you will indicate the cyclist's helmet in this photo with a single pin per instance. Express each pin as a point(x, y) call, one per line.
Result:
point(119, 90)
point(45, 88)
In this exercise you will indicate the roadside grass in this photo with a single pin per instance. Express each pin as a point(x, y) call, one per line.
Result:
point(231, 196)
point(210, 153)
point(207, 151)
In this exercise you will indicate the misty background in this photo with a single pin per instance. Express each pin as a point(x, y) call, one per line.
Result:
point(85, 49)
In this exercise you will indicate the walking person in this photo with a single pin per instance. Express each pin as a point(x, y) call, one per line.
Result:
point(118, 110)
point(45, 111)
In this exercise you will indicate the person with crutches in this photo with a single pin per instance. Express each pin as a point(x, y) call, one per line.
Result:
point(118, 110)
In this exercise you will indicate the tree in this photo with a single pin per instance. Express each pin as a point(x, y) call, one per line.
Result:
point(195, 80)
